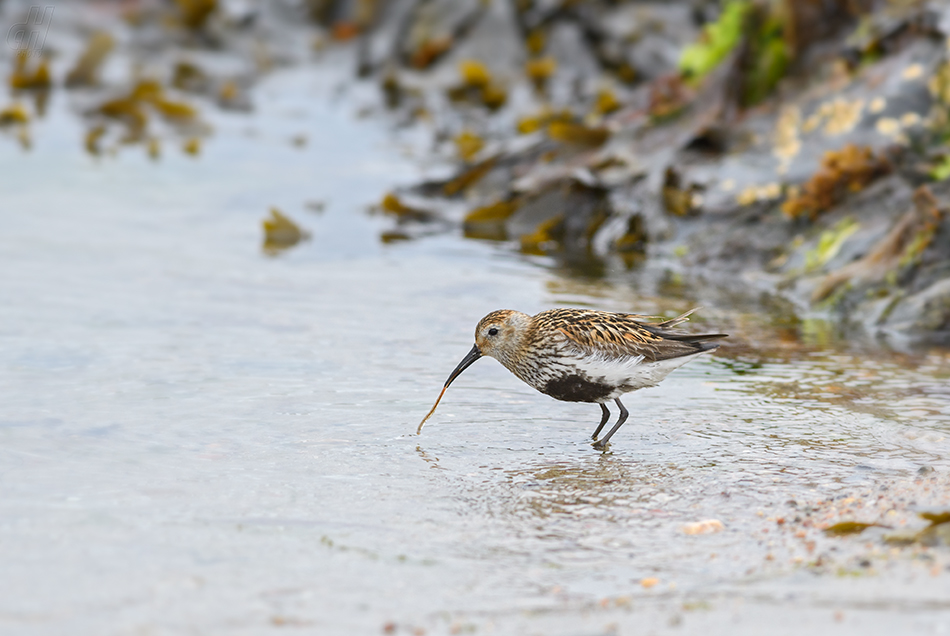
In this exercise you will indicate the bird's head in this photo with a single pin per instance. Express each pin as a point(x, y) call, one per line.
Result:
point(500, 334)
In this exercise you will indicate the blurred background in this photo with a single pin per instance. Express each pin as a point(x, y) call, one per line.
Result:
point(245, 242)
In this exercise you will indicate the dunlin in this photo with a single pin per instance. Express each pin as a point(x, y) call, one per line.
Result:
point(580, 355)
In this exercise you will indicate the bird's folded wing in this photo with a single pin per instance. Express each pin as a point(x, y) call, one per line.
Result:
point(622, 336)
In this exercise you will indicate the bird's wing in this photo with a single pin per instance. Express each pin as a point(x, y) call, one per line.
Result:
point(595, 333)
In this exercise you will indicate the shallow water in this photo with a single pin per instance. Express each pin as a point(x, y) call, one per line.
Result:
point(196, 437)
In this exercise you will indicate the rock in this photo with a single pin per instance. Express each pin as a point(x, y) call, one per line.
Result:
point(927, 311)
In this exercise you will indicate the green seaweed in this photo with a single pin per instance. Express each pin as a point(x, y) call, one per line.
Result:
point(829, 244)
point(717, 40)
point(768, 60)
point(942, 170)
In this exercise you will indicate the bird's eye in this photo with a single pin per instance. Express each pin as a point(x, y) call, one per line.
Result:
point(493, 331)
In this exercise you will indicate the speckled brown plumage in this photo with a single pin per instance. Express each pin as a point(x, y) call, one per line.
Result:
point(582, 355)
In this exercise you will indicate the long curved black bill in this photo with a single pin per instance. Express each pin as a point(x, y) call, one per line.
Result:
point(466, 362)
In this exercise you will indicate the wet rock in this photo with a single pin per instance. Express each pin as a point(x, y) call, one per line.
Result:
point(560, 218)
point(927, 311)
point(602, 131)
point(653, 52)
point(935, 536)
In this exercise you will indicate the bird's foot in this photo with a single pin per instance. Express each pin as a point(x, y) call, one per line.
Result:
point(599, 445)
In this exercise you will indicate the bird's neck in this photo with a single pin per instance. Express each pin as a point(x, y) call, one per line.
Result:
point(518, 356)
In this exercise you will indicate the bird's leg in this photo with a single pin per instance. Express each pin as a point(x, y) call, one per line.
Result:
point(623, 418)
point(603, 420)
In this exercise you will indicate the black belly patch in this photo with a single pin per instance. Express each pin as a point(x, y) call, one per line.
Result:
point(574, 388)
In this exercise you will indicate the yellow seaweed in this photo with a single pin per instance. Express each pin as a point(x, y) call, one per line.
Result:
point(280, 232)
point(86, 70)
point(474, 73)
point(547, 115)
point(187, 76)
point(606, 102)
point(468, 145)
point(173, 110)
point(488, 222)
point(391, 204)
point(498, 211)
point(577, 134)
point(195, 13)
point(539, 70)
point(545, 237)
point(494, 96)
point(536, 41)
point(93, 137)
point(14, 114)
point(25, 78)
point(128, 111)
point(192, 146)
point(468, 178)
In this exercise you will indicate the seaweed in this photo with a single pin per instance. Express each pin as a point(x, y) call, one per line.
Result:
point(536, 41)
point(936, 518)
point(429, 51)
point(345, 30)
point(829, 244)
point(194, 14)
point(678, 200)
point(391, 204)
point(632, 246)
point(547, 116)
point(758, 32)
point(86, 70)
point(488, 222)
point(280, 232)
point(937, 533)
point(187, 76)
point(468, 178)
point(606, 102)
point(941, 171)
point(546, 237)
point(131, 109)
point(900, 247)
point(577, 134)
point(468, 145)
point(478, 86)
point(229, 96)
point(843, 171)
point(474, 73)
point(192, 146)
point(765, 58)
point(26, 78)
point(93, 136)
point(14, 114)
point(539, 70)
point(718, 39)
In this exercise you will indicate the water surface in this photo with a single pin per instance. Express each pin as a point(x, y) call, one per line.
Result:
point(198, 437)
